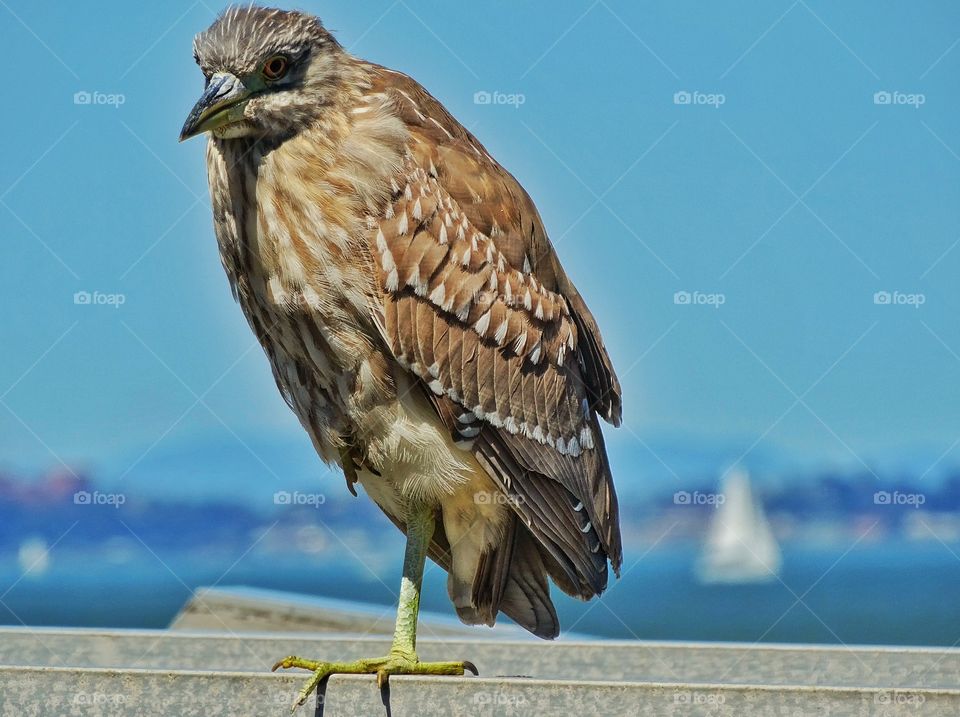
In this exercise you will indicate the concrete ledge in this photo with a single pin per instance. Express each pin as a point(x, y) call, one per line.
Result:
point(630, 661)
point(36, 692)
point(53, 672)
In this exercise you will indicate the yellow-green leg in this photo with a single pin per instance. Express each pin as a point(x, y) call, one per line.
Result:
point(402, 659)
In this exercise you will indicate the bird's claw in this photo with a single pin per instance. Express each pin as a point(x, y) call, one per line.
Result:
point(349, 469)
point(382, 667)
point(471, 668)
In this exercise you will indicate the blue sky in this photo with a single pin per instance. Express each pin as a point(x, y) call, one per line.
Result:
point(785, 189)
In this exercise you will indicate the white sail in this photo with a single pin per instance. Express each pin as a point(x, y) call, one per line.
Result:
point(740, 546)
point(33, 557)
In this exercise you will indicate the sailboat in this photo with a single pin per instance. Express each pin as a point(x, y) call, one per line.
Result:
point(740, 546)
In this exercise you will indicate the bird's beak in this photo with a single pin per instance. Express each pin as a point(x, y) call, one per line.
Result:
point(222, 103)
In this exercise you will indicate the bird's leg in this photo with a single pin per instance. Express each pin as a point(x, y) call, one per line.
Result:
point(402, 659)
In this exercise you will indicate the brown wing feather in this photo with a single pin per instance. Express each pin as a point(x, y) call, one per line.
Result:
point(499, 207)
point(476, 304)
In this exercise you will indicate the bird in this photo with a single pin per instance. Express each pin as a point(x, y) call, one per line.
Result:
point(417, 321)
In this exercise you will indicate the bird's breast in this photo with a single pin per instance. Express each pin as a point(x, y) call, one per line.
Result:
point(299, 267)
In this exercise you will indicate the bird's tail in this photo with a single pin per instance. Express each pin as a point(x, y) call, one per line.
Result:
point(512, 578)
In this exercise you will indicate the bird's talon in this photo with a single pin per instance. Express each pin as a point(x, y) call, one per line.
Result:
point(301, 699)
point(292, 661)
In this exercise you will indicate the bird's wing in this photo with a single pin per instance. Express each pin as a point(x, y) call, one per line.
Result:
point(497, 206)
point(474, 302)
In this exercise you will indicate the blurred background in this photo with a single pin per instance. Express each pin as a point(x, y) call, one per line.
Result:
point(759, 202)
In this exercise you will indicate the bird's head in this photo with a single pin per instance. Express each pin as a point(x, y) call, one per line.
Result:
point(268, 73)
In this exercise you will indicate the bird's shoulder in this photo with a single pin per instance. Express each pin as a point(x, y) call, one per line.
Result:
point(493, 200)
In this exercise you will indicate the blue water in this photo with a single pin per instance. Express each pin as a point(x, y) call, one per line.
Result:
point(890, 593)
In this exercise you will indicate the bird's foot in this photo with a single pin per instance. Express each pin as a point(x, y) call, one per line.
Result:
point(396, 663)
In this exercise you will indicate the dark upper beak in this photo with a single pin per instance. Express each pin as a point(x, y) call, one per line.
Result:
point(221, 104)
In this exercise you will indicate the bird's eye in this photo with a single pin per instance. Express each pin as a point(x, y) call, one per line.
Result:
point(276, 67)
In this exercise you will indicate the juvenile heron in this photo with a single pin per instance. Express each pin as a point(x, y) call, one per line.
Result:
point(417, 320)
